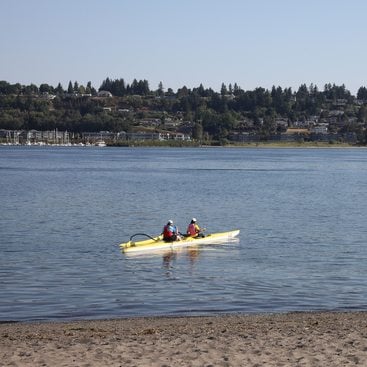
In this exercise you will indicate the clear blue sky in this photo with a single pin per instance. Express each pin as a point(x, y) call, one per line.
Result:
point(254, 43)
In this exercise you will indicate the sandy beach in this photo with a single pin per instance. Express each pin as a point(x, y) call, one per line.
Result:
point(295, 339)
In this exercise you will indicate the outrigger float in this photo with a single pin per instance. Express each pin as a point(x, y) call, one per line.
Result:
point(157, 243)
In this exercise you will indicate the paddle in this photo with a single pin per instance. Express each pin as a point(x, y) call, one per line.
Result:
point(200, 234)
point(142, 234)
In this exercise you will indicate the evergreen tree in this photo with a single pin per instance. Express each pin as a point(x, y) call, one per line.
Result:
point(182, 92)
point(160, 90)
point(88, 89)
point(59, 89)
point(118, 87)
point(223, 90)
point(201, 90)
point(362, 93)
point(106, 85)
point(70, 87)
point(236, 89)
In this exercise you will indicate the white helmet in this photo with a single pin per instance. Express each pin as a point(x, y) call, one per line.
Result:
point(170, 221)
point(193, 220)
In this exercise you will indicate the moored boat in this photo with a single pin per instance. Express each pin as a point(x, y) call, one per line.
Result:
point(101, 143)
point(157, 243)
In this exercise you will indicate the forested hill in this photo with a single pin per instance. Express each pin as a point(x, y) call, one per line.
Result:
point(117, 106)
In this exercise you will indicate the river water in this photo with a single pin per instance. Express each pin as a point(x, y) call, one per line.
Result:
point(302, 215)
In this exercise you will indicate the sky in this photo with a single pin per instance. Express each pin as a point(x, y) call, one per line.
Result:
point(254, 43)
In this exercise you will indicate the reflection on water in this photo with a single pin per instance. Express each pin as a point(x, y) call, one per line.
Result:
point(193, 253)
point(169, 257)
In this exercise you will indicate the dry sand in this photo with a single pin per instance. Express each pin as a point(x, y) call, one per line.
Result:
point(295, 339)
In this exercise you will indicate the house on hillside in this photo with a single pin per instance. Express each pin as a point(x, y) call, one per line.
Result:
point(142, 136)
point(321, 128)
point(104, 93)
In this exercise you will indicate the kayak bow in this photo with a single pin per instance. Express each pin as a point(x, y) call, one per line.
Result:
point(156, 243)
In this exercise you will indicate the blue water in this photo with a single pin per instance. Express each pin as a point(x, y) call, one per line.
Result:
point(63, 211)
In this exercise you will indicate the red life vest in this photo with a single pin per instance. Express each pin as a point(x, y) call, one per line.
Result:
point(167, 233)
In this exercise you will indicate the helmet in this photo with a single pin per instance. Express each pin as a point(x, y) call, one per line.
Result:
point(170, 221)
point(193, 220)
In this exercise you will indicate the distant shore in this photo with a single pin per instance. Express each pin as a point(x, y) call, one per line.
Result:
point(293, 339)
point(263, 144)
point(173, 144)
point(295, 145)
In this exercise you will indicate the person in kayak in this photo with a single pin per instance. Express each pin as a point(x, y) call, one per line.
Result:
point(170, 232)
point(194, 230)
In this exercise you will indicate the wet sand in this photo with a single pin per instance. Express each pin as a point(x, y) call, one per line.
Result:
point(294, 339)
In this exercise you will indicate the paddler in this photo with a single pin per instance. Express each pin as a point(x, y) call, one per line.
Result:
point(194, 230)
point(170, 232)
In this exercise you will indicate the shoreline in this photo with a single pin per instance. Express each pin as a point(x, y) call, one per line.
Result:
point(250, 144)
point(289, 339)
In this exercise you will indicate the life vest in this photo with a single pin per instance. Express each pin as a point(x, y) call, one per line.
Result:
point(167, 231)
point(192, 229)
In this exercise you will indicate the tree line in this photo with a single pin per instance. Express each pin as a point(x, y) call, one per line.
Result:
point(77, 108)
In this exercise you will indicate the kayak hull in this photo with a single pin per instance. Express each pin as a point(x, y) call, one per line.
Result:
point(157, 243)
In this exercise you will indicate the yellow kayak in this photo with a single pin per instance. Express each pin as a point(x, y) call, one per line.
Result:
point(156, 243)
